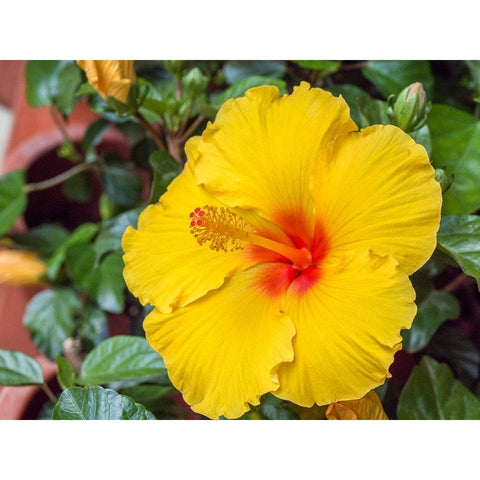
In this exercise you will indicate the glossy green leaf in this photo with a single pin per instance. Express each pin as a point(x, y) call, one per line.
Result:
point(93, 137)
point(102, 281)
point(236, 70)
point(435, 309)
point(79, 188)
point(355, 98)
point(65, 373)
point(432, 393)
point(474, 67)
point(392, 76)
point(165, 169)
point(17, 368)
point(49, 318)
point(423, 137)
point(44, 239)
point(52, 82)
point(92, 324)
point(97, 403)
point(13, 199)
point(239, 88)
point(83, 233)
point(123, 186)
point(325, 67)
point(272, 408)
point(459, 237)
point(455, 146)
point(150, 396)
point(112, 230)
point(451, 345)
point(119, 358)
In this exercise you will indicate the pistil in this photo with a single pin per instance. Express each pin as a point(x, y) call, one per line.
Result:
point(225, 230)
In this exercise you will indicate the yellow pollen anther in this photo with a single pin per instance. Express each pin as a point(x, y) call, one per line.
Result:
point(227, 231)
point(221, 227)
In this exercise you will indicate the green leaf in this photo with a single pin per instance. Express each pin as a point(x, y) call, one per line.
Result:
point(150, 396)
point(110, 236)
point(435, 309)
point(123, 186)
point(455, 146)
point(325, 67)
point(432, 393)
point(49, 318)
point(13, 199)
point(392, 76)
point(474, 67)
point(17, 368)
point(84, 233)
point(103, 282)
point(119, 358)
point(450, 345)
point(459, 237)
point(423, 137)
point(241, 86)
point(65, 373)
point(78, 188)
point(92, 324)
point(165, 169)
point(355, 97)
point(236, 70)
point(52, 82)
point(97, 403)
point(44, 239)
point(272, 408)
point(93, 137)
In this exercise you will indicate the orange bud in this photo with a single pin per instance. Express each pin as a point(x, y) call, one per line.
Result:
point(110, 78)
point(18, 267)
point(368, 407)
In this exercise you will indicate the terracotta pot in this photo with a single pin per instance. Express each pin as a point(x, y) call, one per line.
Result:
point(32, 146)
point(25, 403)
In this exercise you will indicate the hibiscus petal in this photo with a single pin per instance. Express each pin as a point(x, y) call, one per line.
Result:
point(164, 264)
point(377, 191)
point(348, 329)
point(223, 351)
point(260, 151)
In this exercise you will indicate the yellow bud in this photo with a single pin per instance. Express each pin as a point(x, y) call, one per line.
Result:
point(18, 267)
point(368, 407)
point(110, 78)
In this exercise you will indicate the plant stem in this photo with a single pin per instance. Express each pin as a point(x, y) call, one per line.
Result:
point(457, 282)
point(57, 118)
point(186, 135)
point(51, 182)
point(51, 396)
point(151, 131)
point(353, 66)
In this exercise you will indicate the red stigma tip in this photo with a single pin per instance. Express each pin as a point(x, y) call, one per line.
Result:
point(202, 213)
point(199, 222)
point(192, 223)
point(197, 210)
point(192, 215)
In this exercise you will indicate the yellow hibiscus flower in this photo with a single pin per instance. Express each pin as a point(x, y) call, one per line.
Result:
point(111, 78)
point(278, 260)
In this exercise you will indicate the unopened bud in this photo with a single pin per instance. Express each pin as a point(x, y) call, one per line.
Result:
point(409, 110)
point(444, 179)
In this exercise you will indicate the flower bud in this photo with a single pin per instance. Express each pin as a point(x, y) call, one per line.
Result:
point(409, 110)
point(444, 179)
point(368, 407)
point(110, 78)
point(18, 267)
